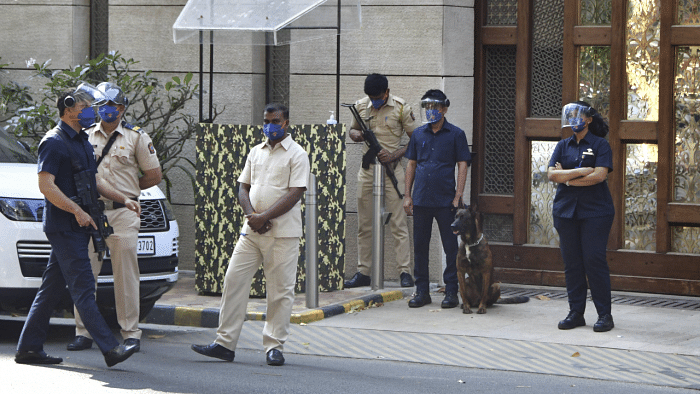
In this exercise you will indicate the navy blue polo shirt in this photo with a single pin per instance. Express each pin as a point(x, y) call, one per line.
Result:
point(578, 202)
point(436, 155)
point(55, 158)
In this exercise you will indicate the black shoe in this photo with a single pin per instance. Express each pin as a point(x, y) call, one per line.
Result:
point(80, 343)
point(604, 323)
point(573, 320)
point(118, 354)
point(275, 357)
point(40, 357)
point(450, 300)
point(135, 342)
point(406, 280)
point(358, 280)
point(214, 350)
point(419, 300)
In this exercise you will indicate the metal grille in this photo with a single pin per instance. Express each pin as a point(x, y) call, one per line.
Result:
point(99, 27)
point(547, 58)
point(502, 12)
point(152, 216)
point(499, 120)
point(621, 299)
point(278, 70)
point(498, 228)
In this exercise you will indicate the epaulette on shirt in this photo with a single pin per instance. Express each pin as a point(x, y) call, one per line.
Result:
point(132, 127)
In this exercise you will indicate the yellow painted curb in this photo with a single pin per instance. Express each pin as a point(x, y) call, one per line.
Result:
point(185, 316)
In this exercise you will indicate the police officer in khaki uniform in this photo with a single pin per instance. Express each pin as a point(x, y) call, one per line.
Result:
point(122, 151)
point(390, 118)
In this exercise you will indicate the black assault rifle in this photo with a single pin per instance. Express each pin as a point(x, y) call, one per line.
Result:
point(374, 148)
point(88, 201)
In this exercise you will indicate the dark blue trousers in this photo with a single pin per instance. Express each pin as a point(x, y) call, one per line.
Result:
point(69, 265)
point(583, 243)
point(422, 228)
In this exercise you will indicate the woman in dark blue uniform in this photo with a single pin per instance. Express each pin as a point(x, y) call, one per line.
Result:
point(583, 212)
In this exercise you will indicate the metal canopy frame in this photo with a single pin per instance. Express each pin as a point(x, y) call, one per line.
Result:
point(262, 20)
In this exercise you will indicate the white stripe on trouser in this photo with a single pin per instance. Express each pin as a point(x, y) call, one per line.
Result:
point(279, 258)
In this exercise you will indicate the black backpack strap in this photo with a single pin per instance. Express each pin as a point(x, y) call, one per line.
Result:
point(106, 148)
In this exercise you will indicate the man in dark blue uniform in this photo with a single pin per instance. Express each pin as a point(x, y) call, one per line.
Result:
point(433, 151)
point(66, 225)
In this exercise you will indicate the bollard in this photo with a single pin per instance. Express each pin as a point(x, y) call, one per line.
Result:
point(311, 249)
point(378, 221)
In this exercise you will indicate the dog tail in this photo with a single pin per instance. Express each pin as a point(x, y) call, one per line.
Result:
point(513, 300)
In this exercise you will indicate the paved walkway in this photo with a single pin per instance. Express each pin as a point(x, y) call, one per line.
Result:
point(649, 344)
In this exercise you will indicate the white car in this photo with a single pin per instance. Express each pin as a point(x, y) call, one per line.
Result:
point(24, 249)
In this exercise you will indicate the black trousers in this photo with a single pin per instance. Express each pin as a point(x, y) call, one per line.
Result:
point(583, 244)
point(422, 228)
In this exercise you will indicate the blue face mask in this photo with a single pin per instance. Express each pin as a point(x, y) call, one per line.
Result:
point(579, 126)
point(273, 131)
point(108, 113)
point(378, 103)
point(433, 115)
point(86, 117)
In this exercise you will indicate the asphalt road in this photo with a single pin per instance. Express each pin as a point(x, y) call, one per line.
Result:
point(167, 365)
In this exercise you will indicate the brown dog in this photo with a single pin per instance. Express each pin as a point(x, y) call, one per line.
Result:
point(475, 264)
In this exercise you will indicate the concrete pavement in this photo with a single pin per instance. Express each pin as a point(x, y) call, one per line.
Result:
point(654, 341)
point(643, 322)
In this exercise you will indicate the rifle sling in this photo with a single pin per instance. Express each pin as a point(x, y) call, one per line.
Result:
point(106, 148)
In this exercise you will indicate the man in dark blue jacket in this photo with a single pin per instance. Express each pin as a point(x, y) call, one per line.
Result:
point(63, 152)
point(433, 151)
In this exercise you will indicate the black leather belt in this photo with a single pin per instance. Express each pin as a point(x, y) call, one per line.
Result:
point(117, 205)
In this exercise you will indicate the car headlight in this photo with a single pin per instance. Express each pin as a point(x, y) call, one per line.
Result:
point(22, 209)
point(168, 210)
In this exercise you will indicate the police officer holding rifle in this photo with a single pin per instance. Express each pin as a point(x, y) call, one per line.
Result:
point(387, 118)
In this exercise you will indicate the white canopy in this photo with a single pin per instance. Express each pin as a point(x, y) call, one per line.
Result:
point(259, 22)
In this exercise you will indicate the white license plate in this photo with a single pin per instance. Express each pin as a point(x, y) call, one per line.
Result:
point(146, 246)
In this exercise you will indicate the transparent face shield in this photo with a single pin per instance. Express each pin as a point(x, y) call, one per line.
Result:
point(574, 115)
point(88, 94)
point(430, 110)
point(113, 93)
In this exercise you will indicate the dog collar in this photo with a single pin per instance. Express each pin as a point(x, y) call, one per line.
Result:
point(477, 242)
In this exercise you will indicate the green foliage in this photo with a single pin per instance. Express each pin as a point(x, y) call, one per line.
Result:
point(159, 109)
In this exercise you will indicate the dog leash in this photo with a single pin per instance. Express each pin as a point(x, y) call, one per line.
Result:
point(477, 242)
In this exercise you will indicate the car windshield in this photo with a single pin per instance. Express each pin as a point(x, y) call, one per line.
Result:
point(12, 151)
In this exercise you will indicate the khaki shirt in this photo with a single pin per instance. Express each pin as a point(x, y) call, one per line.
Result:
point(132, 150)
point(271, 173)
point(389, 123)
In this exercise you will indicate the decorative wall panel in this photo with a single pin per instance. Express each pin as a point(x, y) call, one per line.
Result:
point(596, 12)
point(502, 12)
point(498, 228)
point(688, 12)
point(640, 196)
point(542, 191)
point(547, 58)
point(685, 239)
point(221, 155)
point(594, 78)
point(643, 31)
point(500, 120)
point(687, 148)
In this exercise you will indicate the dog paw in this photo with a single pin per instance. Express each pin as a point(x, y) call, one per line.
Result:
point(466, 311)
point(481, 311)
